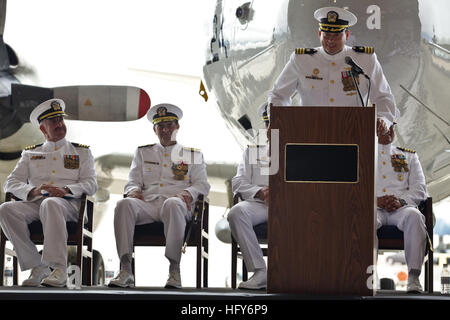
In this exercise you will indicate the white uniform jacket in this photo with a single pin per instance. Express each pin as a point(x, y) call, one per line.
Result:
point(165, 171)
point(323, 80)
point(249, 180)
point(408, 185)
point(60, 163)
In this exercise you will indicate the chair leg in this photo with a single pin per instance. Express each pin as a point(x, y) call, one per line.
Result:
point(15, 272)
point(2, 257)
point(132, 266)
point(430, 272)
point(87, 270)
point(427, 275)
point(79, 261)
point(90, 260)
point(199, 265)
point(205, 266)
point(233, 263)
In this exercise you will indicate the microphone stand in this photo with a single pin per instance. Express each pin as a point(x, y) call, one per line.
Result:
point(353, 73)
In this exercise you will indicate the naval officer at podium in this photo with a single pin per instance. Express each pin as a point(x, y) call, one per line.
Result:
point(322, 77)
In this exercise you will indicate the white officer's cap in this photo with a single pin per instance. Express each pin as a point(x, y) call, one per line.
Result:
point(262, 112)
point(164, 112)
point(334, 19)
point(51, 108)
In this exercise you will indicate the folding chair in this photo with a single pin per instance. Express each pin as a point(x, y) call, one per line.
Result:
point(79, 235)
point(261, 235)
point(196, 235)
point(391, 238)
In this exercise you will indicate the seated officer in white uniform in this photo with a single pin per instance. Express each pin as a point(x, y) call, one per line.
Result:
point(322, 78)
point(401, 187)
point(48, 179)
point(254, 189)
point(164, 181)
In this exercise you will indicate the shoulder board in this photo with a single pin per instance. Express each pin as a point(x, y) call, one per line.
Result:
point(406, 150)
point(310, 51)
point(33, 146)
point(362, 49)
point(191, 149)
point(79, 145)
point(147, 145)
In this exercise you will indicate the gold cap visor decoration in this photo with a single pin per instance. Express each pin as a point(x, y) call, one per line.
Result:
point(334, 19)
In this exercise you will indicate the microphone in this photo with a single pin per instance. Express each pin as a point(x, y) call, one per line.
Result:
point(355, 68)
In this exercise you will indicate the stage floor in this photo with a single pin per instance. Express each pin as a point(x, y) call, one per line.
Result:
point(158, 293)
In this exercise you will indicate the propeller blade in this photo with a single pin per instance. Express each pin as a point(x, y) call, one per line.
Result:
point(104, 103)
point(90, 103)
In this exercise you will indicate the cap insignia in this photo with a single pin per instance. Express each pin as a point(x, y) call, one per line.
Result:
point(162, 111)
point(332, 16)
point(56, 106)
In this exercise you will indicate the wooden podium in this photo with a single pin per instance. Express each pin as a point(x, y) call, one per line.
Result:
point(321, 212)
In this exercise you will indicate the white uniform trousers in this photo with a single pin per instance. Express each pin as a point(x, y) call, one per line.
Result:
point(53, 213)
point(172, 212)
point(242, 217)
point(411, 221)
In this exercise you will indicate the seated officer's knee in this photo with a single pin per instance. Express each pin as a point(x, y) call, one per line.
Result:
point(173, 205)
point(414, 215)
point(173, 202)
point(51, 208)
point(51, 203)
point(124, 205)
point(4, 210)
point(236, 213)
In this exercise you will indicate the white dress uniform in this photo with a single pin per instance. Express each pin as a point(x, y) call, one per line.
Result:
point(62, 164)
point(252, 211)
point(160, 173)
point(400, 174)
point(324, 80)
